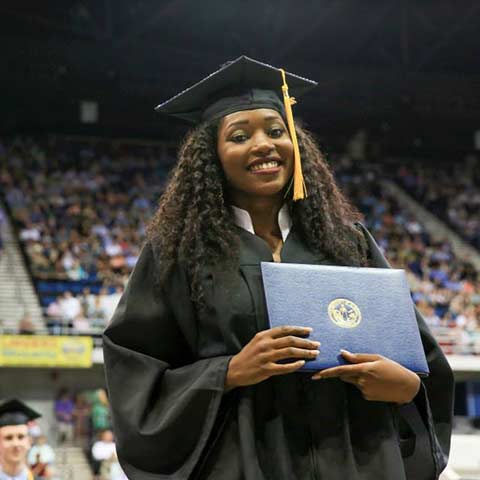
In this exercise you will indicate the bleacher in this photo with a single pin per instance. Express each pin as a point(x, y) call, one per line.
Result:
point(454, 196)
point(444, 286)
point(53, 191)
point(79, 209)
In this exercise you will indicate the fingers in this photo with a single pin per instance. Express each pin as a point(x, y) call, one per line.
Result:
point(285, 330)
point(291, 341)
point(359, 382)
point(360, 357)
point(339, 371)
point(292, 352)
point(282, 369)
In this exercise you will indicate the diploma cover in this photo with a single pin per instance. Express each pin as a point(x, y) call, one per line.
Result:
point(362, 310)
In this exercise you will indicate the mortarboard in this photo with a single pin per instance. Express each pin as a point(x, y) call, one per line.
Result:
point(243, 84)
point(15, 412)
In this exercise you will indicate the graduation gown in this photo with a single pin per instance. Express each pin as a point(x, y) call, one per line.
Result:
point(166, 365)
point(25, 474)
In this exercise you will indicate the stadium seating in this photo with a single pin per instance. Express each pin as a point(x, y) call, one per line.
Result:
point(80, 209)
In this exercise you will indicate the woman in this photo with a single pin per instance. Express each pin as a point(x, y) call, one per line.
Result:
point(196, 380)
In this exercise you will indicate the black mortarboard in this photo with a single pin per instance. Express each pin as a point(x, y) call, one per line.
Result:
point(15, 412)
point(243, 84)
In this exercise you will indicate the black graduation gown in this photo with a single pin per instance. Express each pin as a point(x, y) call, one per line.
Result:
point(166, 366)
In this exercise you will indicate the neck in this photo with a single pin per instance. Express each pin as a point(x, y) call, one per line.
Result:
point(12, 468)
point(264, 214)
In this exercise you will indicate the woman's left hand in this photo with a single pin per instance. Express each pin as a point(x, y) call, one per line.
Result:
point(377, 377)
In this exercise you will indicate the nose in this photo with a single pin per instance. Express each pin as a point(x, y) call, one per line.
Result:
point(16, 442)
point(262, 144)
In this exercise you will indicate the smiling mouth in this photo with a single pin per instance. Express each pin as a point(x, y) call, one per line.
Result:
point(264, 166)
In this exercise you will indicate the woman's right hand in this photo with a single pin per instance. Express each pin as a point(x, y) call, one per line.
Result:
point(257, 359)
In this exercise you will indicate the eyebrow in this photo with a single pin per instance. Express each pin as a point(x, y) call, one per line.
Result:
point(246, 122)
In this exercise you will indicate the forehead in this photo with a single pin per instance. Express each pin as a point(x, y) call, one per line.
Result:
point(13, 430)
point(251, 115)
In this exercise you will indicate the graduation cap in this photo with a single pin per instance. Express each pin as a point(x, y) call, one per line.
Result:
point(243, 84)
point(15, 412)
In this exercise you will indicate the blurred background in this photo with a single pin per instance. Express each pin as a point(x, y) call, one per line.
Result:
point(84, 159)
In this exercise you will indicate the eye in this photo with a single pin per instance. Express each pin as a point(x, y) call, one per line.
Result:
point(276, 132)
point(238, 137)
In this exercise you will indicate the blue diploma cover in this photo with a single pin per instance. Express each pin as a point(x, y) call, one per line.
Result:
point(362, 310)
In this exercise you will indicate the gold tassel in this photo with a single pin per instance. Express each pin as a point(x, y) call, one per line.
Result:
point(299, 188)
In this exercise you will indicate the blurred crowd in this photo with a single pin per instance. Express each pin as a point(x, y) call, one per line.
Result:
point(81, 419)
point(87, 313)
point(446, 289)
point(453, 195)
point(80, 210)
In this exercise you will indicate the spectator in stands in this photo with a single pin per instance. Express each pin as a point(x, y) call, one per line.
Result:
point(41, 455)
point(26, 325)
point(40, 469)
point(76, 271)
point(34, 429)
point(110, 301)
point(87, 301)
point(70, 306)
point(103, 450)
point(63, 407)
point(99, 313)
point(100, 412)
point(115, 471)
point(43, 449)
point(30, 232)
point(81, 416)
point(81, 324)
point(54, 317)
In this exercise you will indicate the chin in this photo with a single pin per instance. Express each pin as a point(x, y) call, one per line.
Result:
point(266, 192)
point(269, 190)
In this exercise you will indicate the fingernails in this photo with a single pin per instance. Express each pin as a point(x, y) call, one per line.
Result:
point(314, 353)
point(317, 377)
point(308, 329)
point(316, 344)
point(345, 351)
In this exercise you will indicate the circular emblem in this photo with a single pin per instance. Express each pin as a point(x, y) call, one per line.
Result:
point(344, 313)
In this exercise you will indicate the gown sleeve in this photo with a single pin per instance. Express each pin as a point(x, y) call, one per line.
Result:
point(433, 406)
point(164, 402)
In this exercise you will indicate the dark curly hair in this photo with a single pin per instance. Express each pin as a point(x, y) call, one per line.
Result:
point(193, 223)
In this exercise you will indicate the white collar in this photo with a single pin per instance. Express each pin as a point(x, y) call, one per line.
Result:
point(23, 475)
point(242, 219)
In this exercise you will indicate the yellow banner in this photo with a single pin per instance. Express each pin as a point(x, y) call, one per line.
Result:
point(45, 351)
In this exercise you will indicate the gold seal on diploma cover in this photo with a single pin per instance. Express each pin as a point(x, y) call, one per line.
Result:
point(344, 313)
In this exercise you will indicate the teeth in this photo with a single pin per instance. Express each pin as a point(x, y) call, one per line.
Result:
point(264, 166)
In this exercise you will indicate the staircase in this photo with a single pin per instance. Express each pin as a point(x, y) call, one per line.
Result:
point(71, 464)
point(17, 294)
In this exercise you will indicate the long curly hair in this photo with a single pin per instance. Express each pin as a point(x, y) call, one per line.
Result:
point(193, 223)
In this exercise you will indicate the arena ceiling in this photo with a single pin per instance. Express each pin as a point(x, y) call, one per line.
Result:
point(378, 60)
